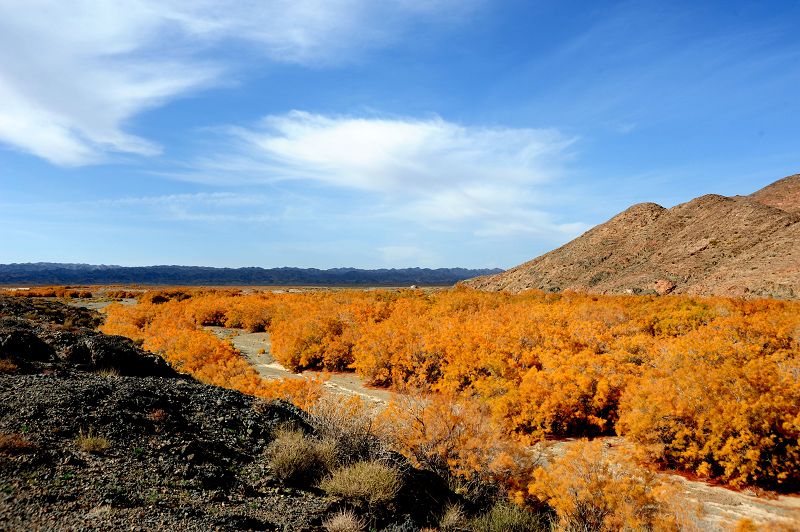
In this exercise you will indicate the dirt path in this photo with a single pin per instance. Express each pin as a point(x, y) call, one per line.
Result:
point(718, 508)
point(256, 348)
point(722, 508)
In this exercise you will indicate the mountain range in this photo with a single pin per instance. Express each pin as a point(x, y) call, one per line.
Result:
point(46, 273)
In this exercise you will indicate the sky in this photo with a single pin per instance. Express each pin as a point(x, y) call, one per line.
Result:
point(376, 133)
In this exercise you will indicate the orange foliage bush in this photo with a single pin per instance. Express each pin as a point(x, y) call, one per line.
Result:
point(166, 328)
point(706, 384)
point(457, 439)
point(53, 291)
point(122, 294)
point(724, 401)
point(591, 491)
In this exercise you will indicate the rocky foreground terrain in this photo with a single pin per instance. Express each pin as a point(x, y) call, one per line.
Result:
point(742, 246)
point(97, 434)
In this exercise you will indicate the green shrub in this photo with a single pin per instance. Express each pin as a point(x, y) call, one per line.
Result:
point(370, 482)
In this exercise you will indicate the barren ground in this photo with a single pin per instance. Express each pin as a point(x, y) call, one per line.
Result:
point(251, 346)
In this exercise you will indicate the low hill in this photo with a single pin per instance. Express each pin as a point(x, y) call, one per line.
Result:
point(711, 245)
point(46, 273)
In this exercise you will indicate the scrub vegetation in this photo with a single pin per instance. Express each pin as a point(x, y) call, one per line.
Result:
point(709, 386)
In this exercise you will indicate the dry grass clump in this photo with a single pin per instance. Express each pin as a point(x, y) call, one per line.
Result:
point(298, 459)
point(505, 517)
point(453, 520)
point(349, 424)
point(344, 521)
point(108, 372)
point(13, 443)
point(92, 444)
point(371, 482)
point(6, 366)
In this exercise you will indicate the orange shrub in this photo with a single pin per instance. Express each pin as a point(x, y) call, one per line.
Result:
point(52, 291)
point(591, 491)
point(724, 402)
point(457, 439)
point(705, 384)
point(165, 328)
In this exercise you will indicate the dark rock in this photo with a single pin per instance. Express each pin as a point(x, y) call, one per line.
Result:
point(31, 343)
point(20, 343)
point(122, 355)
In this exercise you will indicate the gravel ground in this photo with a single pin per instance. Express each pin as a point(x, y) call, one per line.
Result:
point(97, 434)
point(250, 346)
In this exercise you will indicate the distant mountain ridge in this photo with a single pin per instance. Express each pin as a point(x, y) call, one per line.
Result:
point(712, 245)
point(57, 274)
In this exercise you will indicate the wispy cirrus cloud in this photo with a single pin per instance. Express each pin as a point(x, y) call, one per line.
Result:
point(233, 207)
point(430, 171)
point(73, 74)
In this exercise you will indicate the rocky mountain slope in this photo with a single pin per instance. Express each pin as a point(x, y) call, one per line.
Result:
point(712, 245)
point(96, 434)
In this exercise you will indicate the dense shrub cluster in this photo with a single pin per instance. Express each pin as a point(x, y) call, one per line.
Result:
point(52, 291)
point(590, 490)
point(724, 401)
point(457, 439)
point(169, 328)
point(707, 385)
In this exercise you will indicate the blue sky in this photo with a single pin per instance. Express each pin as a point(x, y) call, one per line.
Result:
point(375, 133)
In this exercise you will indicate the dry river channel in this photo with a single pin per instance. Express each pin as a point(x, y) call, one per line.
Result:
point(718, 508)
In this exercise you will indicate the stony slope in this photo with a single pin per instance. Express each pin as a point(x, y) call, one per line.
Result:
point(181, 455)
point(712, 245)
point(783, 194)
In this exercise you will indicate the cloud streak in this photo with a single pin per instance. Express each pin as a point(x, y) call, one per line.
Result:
point(74, 74)
point(429, 171)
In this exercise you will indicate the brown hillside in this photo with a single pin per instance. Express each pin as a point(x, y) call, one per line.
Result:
point(712, 245)
point(783, 194)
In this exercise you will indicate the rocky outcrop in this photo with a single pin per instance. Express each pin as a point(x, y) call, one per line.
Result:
point(33, 346)
point(713, 245)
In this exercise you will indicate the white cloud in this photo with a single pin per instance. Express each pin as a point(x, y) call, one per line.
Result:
point(391, 154)
point(427, 170)
point(232, 207)
point(73, 74)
